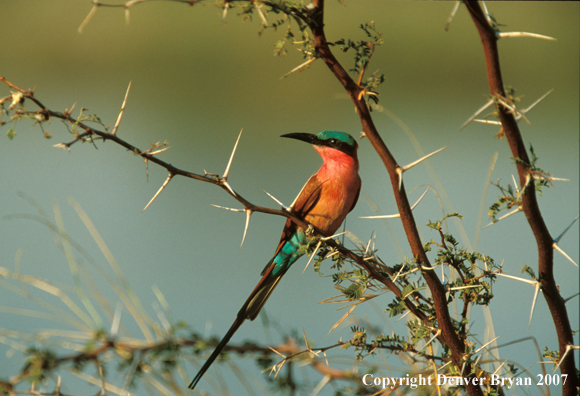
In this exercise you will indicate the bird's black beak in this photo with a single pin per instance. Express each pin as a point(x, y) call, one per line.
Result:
point(305, 137)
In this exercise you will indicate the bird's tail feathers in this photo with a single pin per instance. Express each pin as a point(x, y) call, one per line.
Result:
point(249, 310)
point(235, 326)
point(259, 297)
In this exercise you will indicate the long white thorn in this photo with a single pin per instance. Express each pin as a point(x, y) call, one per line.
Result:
point(531, 282)
point(566, 230)
point(334, 236)
point(323, 382)
point(534, 303)
point(122, 110)
point(396, 215)
point(225, 13)
point(487, 16)
point(248, 215)
point(400, 171)
point(486, 344)
point(464, 287)
point(162, 317)
point(369, 244)
point(420, 198)
point(227, 171)
point(159, 151)
point(262, 17)
point(500, 366)
point(312, 256)
point(478, 112)
point(227, 185)
point(549, 179)
point(568, 349)
point(555, 246)
point(116, 321)
point(159, 191)
point(412, 164)
point(88, 18)
point(300, 66)
point(525, 34)
point(277, 201)
point(431, 340)
point(530, 107)
point(571, 297)
point(515, 183)
point(452, 15)
point(516, 210)
point(519, 114)
point(488, 122)
point(403, 315)
point(230, 209)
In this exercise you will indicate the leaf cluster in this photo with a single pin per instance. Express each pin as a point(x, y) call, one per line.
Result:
point(474, 283)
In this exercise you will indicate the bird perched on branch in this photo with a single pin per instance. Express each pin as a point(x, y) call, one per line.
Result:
point(324, 201)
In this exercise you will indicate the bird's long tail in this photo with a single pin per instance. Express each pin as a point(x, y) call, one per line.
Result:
point(235, 326)
point(249, 310)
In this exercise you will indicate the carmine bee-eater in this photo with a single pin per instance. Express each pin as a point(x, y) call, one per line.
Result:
point(323, 202)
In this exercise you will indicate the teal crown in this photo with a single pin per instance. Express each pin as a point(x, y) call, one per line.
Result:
point(340, 136)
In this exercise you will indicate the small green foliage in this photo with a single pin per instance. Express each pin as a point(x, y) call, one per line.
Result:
point(512, 196)
point(167, 354)
point(325, 252)
point(363, 51)
point(39, 364)
point(470, 286)
point(419, 331)
point(11, 133)
point(396, 307)
point(438, 224)
point(506, 201)
point(494, 23)
point(552, 356)
point(265, 362)
point(528, 270)
point(542, 177)
point(512, 369)
point(364, 347)
point(355, 291)
point(294, 16)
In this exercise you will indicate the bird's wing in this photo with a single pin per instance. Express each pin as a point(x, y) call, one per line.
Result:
point(305, 201)
point(303, 204)
point(355, 200)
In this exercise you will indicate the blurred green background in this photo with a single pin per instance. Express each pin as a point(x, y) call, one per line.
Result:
point(197, 80)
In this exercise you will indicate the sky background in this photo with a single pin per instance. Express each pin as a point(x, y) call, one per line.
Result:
point(196, 81)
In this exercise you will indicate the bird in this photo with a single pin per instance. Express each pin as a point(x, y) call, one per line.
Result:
point(324, 201)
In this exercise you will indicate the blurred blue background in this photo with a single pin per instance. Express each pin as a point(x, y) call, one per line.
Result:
point(196, 81)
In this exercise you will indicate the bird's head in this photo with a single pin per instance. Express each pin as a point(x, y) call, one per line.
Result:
point(327, 142)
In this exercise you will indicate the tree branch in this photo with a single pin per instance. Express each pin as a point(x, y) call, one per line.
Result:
point(544, 240)
point(448, 333)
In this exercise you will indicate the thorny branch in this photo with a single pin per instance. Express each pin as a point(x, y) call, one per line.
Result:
point(448, 335)
point(90, 134)
point(140, 352)
point(489, 37)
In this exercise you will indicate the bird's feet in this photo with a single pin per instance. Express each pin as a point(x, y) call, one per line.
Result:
point(310, 230)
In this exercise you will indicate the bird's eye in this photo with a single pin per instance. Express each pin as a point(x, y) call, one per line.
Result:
point(332, 141)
